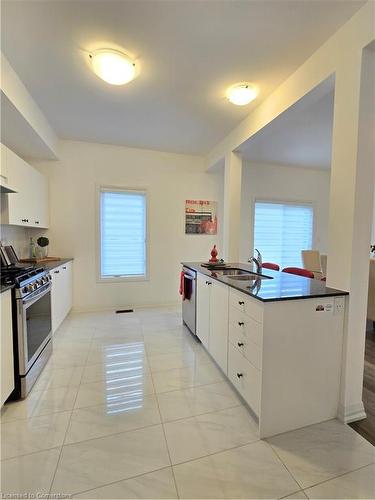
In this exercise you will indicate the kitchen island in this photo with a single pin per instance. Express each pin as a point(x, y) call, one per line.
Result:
point(277, 337)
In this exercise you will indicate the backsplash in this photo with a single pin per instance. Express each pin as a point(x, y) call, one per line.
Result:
point(19, 237)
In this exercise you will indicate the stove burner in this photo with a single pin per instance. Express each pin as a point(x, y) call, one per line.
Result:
point(26, 279)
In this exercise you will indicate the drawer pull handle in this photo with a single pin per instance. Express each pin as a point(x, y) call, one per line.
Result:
point(241, 302)
point(240, 344)
point(64, 267)
point(239, 375)
point(241, 323)
point(56, 272)
point(208, 283)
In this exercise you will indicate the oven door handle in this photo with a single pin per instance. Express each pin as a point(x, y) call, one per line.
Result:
point(30, 301)
point(188, 277)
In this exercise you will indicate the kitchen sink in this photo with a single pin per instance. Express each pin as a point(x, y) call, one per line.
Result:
point(235, 272)
point(249, 276)
point(242, 275)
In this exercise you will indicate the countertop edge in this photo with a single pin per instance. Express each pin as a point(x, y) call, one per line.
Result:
point(5, 288)
point(333, 293)
point(55, 263)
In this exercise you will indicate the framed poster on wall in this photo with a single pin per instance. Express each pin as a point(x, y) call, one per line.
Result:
point(200, 217)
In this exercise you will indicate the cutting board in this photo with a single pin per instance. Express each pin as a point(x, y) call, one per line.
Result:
point(36, 260)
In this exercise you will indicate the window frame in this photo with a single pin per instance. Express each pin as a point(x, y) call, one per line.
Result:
point(120, 189)
point(288, 201)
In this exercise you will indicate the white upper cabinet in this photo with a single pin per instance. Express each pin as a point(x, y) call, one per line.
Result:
point(3, 164)
point(29, 205)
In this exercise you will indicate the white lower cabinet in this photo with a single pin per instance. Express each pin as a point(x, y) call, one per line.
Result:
point(283, 357)
point(212, 318)
point(245, 378)
point(203, 309)
point(218, 342)
point(6, 355)
point(61, 295)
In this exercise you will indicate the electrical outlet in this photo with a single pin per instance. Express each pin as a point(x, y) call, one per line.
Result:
point(339, 306)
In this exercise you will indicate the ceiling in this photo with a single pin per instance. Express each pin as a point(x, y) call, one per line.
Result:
point(301, 136)
point(189, 52)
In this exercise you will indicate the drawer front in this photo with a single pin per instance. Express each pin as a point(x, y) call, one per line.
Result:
point(243, 324)
point(245, 377)
point(246, 346)
point(246, 305)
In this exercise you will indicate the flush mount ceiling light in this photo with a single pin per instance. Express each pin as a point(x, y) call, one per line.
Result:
point(113, 66)
point(241, 93)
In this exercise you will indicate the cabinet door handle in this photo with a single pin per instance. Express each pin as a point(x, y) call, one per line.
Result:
point(240, 344)
point(56, 272)
point(239, 375)
point(24, 220)
point(36, 222)
point(241, 323)
point(241, 302)
point(64, 267)
point(208, 283)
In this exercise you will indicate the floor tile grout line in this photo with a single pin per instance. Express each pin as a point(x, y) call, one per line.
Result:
point(136, 429)
point(284, 464)
point(35, 416)
point(336, 477)
point(321, 482)
point(165, 436)
point(31, 453)
point(121, 480)
point(289, 494)
point(62, 446)
point(217, 452)
point(113, 434)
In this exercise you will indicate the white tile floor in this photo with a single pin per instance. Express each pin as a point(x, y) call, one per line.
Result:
point(131, 406)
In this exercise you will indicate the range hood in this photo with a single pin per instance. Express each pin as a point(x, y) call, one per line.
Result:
point(5, 189)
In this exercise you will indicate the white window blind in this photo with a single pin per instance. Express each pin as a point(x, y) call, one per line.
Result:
point(122, 233)
point(282, 230)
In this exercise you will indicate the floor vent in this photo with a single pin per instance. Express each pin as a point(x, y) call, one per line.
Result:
point(120, 311)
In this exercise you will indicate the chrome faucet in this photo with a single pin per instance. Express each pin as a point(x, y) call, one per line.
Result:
point(257, 261)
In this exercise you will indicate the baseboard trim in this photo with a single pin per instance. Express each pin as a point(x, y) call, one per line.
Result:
point(351, 413)
point(136, 308)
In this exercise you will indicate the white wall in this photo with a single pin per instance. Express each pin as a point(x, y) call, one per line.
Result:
point(284, 183)
point(169, 179)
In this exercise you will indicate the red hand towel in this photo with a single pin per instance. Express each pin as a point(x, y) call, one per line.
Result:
point(182, 287)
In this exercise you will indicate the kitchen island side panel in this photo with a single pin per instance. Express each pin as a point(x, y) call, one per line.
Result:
point(302, 360)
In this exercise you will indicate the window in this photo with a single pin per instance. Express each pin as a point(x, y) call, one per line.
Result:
point(282, 230)
point(123, 241)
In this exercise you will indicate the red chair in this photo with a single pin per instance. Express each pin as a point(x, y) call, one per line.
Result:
point(299, 272)
point(269, 265)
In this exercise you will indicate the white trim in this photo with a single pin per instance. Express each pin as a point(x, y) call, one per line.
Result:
point(136, 308)
point(351, 413)
point(99, 188)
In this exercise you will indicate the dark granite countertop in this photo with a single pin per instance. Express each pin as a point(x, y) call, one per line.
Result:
point(49, 265)
point(4, 288)
point(52, 264)
point(281, 286)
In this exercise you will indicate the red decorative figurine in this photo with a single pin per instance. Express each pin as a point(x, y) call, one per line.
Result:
point(213, 255)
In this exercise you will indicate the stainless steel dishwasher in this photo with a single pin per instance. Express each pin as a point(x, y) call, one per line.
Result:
point(189, 299)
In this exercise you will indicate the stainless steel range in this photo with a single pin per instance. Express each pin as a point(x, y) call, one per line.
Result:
point(31, 323)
